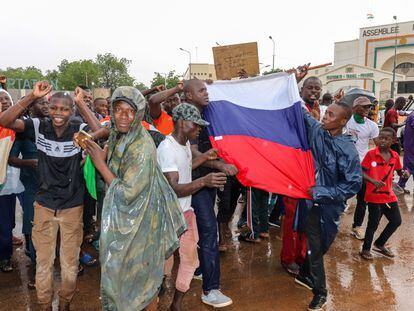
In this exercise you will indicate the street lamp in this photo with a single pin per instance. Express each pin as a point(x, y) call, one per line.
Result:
point(273, 65)
point(395, 60)
point(189, 64)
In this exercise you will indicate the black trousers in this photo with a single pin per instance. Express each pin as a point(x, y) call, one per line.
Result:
point(391, 212)
point(360, 208)
point(228, 199)
point(313, 265)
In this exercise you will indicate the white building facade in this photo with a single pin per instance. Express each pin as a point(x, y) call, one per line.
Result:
point(368, 62)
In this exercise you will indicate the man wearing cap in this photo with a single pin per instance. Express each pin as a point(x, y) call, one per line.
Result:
point(362, 129)
point(175, 160)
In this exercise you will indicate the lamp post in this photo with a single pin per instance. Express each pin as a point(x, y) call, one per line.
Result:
point(395, 60)
point(273, 65)
point(189, 64)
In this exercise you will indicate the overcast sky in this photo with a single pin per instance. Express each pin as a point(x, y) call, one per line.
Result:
point(150, 33)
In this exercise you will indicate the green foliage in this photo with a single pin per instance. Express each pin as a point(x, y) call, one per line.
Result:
point(106, 71)
point(113, 71)
point(170, 81)
point(276, 70)
point(83, 72)
point(140, 86)
point(29, 73)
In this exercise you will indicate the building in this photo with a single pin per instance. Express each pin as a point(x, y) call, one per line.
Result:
point(202, 71)
point(368, 62)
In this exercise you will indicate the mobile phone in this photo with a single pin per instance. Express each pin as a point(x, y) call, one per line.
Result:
point(80, 139)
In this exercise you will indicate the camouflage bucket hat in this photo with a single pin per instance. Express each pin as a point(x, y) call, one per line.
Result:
point(188, 112)
point(130, 95)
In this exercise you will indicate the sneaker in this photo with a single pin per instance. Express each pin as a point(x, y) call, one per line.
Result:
point(6, 266)
point(383, 251)
point(318, 303)
point(358, 233)
point(216, 299)
point(305, 281)
point(198, 277)
point(366, 255)
point(291, 268)
point(274, 223)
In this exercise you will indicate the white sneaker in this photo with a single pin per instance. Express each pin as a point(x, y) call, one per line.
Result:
point(216, 299)
point(198, 277)
point(358, 233)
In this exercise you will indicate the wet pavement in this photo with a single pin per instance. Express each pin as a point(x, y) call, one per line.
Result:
point(253, 277)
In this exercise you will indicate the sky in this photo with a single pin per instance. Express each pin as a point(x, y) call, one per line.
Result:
point(149, 33)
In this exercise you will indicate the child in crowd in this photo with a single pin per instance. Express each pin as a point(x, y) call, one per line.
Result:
point(378, 169)
point(58, 201)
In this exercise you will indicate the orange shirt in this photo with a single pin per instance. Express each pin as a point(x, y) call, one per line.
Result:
point(164, 123)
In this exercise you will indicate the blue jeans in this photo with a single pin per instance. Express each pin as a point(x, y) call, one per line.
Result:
point(203, 203)
point(7, 217)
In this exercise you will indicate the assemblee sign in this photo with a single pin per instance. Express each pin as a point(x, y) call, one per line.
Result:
point(351, 76)
point(27, 83)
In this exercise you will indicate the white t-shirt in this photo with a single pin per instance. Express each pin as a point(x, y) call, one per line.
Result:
point(173, 157)
point(362, 133)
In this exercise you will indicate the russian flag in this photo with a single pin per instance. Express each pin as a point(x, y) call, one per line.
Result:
point(257, 125)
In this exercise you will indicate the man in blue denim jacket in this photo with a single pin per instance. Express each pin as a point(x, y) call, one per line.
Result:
point(338, 177)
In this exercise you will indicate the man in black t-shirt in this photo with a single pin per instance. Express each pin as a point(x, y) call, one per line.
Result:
point(203, 203)
point(59, 199)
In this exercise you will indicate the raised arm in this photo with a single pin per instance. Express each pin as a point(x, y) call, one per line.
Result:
point(85, 112)
point(157, 99)
point(154, 89)
point(9, 118)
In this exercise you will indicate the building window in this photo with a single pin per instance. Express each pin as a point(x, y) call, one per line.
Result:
point(406, 87)
point(406, 68)
point(210, 75)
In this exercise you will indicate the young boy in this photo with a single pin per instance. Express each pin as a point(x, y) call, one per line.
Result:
point(378, 169)
point(175, 160)
point(59, 199)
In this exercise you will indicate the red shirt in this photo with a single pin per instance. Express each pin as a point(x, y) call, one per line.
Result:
point(377, 168)
point(164, 123)
point(391, 117)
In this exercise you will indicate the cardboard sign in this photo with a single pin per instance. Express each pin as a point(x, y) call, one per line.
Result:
point(230, 60)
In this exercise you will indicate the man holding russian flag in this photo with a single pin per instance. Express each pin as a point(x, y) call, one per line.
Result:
point(262, 127)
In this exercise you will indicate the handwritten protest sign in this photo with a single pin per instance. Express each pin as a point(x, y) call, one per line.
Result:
point(230, 60)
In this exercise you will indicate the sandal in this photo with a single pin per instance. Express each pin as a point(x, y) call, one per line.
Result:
point(80, 270)
point(17, 241)
point(31, 284)
point(87, 260)
point(6, 266)
point(248, 239)
point(366, 255)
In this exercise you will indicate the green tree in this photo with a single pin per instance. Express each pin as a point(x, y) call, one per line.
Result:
point(140, 86)
point(113, 71)
point(276, 70)
point(22, 77)
point(170, 81)
point(71, 74)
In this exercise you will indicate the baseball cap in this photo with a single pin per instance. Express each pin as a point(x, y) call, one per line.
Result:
point(188, 112)
point(361, 101)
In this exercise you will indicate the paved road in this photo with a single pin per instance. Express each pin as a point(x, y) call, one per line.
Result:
point(253, 277)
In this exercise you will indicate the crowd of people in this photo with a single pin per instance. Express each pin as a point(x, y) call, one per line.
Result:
point(136, 176)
